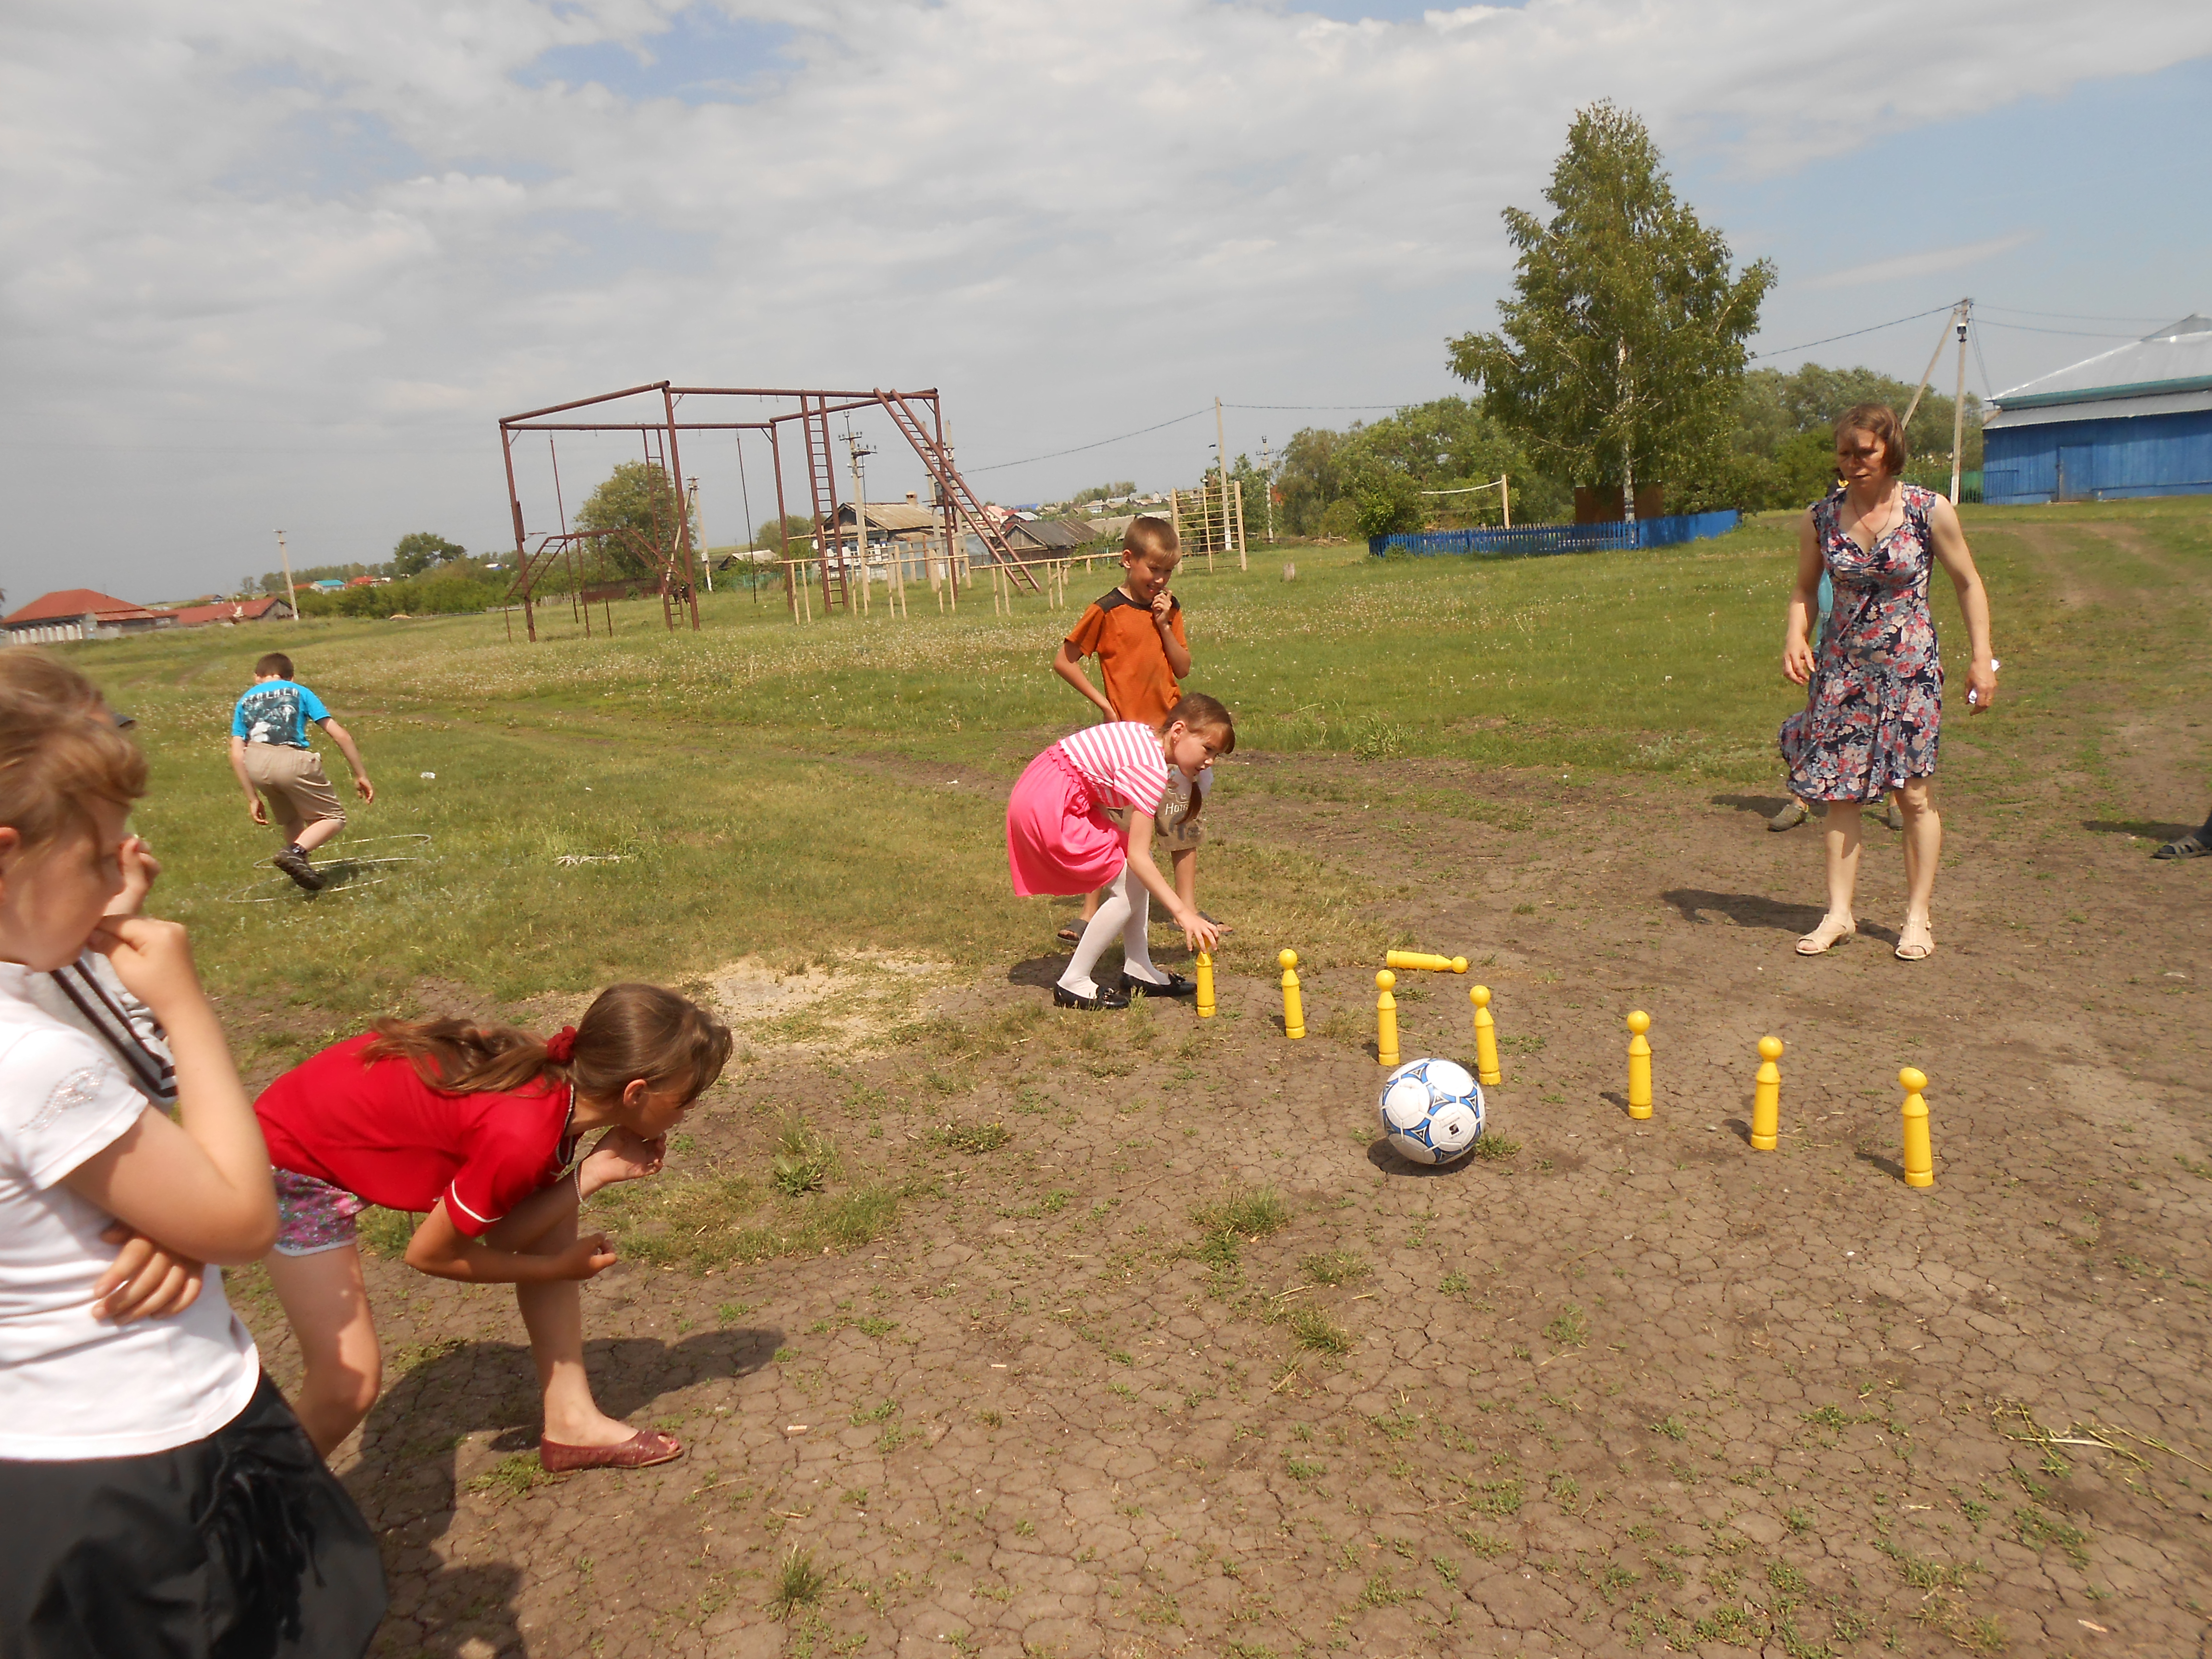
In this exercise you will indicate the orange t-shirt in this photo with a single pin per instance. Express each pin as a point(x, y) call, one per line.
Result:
point(1120, 634)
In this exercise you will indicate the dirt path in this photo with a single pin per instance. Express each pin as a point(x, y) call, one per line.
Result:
point(1631, 1385)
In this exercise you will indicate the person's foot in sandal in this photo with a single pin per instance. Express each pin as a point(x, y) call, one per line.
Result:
point(641, 1451)
point(1916, 941)
point(2194, 845)
point(1831, 930)
point(1893, 814)
point(1071, 934)
point(1790, 816)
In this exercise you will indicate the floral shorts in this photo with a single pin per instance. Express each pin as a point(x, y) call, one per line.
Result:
point(313, 1216)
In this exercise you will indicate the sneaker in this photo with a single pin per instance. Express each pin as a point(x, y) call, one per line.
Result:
point(1790, 816)
point(1174, 986)
point(295, 866)
point(1103, 997)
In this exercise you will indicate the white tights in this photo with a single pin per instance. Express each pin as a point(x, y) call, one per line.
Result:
point(1127, 910)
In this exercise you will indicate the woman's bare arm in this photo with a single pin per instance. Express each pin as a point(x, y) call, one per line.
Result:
point(1958, 561)
point(1804, 598)
point(444, 1251)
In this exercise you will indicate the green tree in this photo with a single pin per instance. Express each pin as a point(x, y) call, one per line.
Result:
point(413, 555)
point(770, 537)
point(636, 496)
point(1620, 352)
point(1447, 445)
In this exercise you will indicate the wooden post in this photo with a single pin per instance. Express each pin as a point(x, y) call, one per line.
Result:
point(1241, 564)
point(1505, 500)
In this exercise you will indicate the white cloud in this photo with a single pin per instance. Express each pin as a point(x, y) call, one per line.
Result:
point(364, 230)
point(1932, 262)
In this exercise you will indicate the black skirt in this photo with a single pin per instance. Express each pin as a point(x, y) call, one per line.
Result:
point(241, 1546)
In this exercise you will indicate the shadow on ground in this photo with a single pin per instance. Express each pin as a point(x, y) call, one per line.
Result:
point(407, 1483)
point(1744, 909)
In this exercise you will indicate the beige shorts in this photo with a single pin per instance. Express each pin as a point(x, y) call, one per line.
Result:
point(291, 781)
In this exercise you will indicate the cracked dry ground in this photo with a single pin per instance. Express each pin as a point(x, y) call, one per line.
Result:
point(1632, 1387)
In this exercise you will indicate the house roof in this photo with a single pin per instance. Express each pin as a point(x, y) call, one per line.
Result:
point(67, 604)
point(893, 516)
point(1050, 533)
point(196, 616)
point(2174, 363)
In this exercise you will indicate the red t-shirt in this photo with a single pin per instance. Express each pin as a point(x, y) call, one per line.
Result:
point(377, 1130)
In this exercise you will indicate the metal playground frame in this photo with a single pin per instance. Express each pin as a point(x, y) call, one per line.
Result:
point(918, 416)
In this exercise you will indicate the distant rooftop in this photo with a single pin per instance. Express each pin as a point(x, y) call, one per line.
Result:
point(2174, 361)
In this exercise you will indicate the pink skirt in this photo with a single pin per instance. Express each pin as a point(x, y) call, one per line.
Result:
point(1059, 839)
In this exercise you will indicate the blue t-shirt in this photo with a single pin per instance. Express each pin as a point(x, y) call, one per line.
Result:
point(277, 712)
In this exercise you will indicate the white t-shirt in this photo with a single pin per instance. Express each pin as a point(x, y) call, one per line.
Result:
point(72, 1386)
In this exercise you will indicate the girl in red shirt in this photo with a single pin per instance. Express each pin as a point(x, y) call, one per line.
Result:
point(474, 1128)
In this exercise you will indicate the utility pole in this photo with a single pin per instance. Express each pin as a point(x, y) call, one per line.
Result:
point(1221, 448)
point(1959, 401)
point(285, 559)
point(706, 555)
point(1627, 448)
point(1267, 469)
point(858, 448)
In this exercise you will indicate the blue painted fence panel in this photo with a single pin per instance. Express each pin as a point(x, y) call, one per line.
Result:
point(1535, 540)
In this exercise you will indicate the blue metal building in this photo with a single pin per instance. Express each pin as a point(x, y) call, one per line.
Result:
point(2134, 421)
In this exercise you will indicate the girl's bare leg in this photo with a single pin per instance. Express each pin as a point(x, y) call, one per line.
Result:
point(554, 1314)
point(327, 1306)
point(1924, 845)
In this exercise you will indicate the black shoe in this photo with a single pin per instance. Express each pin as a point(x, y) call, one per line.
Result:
point(1177, 985)
point(1064, 998)
point(295, 866)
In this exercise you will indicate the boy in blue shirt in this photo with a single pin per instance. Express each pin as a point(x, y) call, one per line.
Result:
point(269, 752)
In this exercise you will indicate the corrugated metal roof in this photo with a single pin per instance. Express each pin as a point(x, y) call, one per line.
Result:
point(2176, 360)
point(67, 604)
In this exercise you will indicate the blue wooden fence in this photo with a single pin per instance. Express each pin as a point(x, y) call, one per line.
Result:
point(1533, 540)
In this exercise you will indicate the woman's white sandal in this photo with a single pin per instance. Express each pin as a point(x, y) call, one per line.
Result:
point(1911, 950)
point(1821, 941)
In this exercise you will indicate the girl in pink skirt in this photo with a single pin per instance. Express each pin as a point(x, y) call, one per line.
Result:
point(1081, 817)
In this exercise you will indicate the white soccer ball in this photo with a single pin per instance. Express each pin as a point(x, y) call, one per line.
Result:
point(1431, 1111)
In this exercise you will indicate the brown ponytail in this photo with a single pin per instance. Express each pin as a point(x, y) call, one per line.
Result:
point(630, 1031)
point(1211, 716)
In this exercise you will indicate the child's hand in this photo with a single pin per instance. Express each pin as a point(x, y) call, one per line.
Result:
point(153, 959)
point(586, 1258)
point(1197, 931)
point(365, 789)
point(144, 1281)
point(1163, 608)
point(620, 1155)
point(141, 869)
point(257, 810)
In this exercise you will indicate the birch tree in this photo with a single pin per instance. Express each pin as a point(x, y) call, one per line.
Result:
point(1619, 353)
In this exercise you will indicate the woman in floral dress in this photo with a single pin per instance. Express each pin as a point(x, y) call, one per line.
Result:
point(1874, 706)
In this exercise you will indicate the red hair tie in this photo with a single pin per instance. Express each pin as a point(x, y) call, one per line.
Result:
point(561, 1047)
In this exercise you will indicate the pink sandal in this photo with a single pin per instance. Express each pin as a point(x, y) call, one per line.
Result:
point(641, 1451)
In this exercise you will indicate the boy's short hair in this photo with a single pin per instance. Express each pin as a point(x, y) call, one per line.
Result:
point(59, 751)
point(275, 663)
point(1151, 537)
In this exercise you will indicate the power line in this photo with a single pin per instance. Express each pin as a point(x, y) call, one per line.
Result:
point(1319, 406)
point(1783, 351)
point(996, 466)
point(2077, 333)
point(2071, 316)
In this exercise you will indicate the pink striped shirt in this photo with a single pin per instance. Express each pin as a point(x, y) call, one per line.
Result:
point(1121, 760)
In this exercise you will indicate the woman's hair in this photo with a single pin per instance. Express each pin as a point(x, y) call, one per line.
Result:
point(1210, 715)
point(1880, 421)
point(630, 1031)
point(59, 751)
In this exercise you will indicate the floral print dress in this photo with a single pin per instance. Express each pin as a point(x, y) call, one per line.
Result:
point(1875, 703)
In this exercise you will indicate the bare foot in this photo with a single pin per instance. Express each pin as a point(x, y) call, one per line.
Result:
point(597, 1430)
point(1832, 928)
point(1916, 940)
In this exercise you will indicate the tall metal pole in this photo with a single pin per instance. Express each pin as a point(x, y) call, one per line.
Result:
point(1267, 472)
point(706, 548)
point(1959, 402)
point(285, 559)
point(783, 523)
point(1221, 448)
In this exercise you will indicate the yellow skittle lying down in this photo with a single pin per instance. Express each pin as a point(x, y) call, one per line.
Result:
point(1422, 959)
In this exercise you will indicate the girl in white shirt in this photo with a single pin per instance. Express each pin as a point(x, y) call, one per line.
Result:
point(156, 1495)
point(1081, 817)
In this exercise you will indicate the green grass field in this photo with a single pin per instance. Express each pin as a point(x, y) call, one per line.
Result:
point(786, 791)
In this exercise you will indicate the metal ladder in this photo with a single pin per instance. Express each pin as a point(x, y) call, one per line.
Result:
point(822, 481)
point(951, 487)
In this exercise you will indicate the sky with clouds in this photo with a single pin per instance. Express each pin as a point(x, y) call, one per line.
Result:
point(280, 263)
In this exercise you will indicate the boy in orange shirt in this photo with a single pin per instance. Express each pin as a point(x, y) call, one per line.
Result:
point(1136, 633)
